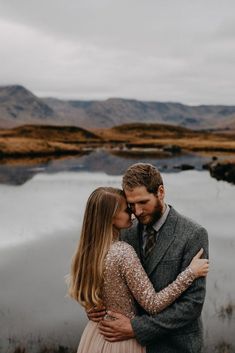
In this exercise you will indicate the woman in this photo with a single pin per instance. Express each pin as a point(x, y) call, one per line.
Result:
point(107, 272)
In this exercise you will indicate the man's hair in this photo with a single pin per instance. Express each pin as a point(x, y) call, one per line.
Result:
point(142, 174)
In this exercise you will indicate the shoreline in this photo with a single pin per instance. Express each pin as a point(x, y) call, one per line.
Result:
point(40, 144)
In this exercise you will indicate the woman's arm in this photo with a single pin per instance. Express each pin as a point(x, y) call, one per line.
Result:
point(142, 288)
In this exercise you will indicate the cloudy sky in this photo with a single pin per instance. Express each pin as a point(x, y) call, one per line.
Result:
point(162, 50)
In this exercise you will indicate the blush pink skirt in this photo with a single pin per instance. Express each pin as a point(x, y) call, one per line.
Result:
point(93, 342)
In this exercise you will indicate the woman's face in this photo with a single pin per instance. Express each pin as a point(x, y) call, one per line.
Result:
point(122, 219)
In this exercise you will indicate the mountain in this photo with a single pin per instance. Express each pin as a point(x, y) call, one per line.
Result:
point(117, 111)
point(19, 106)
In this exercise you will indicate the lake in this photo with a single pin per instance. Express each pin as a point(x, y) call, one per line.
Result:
point(40, 218)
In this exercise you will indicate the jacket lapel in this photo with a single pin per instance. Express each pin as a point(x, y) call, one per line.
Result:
point(165, 237)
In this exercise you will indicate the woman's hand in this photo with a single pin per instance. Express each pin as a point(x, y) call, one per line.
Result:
point(200, 267)
point(96, 314)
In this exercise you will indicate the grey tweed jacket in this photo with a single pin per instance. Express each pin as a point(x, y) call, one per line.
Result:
point(177, 329)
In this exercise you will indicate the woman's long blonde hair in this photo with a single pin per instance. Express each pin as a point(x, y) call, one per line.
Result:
point(86, 277)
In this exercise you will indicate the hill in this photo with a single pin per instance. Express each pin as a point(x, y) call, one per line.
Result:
point(43, 140)
point(30, 143)
point(117, 111)
point(19, 106)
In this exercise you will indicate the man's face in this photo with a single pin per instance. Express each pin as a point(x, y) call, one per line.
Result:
point(147, 207)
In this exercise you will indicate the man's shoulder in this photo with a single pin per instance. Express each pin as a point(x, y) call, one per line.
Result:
point(185, 223)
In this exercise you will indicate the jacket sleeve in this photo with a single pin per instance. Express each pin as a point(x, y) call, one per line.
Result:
point(182, 312)
point(141, 287)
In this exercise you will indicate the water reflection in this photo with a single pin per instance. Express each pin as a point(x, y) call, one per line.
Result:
point(40, 224)
point(17, 172)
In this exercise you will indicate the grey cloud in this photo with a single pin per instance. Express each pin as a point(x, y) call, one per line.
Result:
point(158, 50)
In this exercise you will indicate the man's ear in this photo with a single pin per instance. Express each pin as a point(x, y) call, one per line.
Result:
point(161, 192)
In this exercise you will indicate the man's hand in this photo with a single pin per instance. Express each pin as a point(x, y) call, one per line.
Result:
point(118, 329)
point(96, 314)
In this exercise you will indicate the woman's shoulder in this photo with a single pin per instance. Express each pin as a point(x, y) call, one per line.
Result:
point(122, 255)
point(121, 248)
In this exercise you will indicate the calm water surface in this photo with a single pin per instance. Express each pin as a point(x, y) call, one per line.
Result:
point(40, 222)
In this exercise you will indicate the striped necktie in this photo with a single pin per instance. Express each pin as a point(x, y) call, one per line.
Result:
point(150, 240)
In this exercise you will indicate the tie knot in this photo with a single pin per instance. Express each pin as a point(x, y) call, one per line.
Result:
point(150, 230)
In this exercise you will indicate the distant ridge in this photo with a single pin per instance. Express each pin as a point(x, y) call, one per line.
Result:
point(52, 132)
point(19, 106)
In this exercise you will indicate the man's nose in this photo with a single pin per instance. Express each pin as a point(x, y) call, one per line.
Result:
point(138, 210)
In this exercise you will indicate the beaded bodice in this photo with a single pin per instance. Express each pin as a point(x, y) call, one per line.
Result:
point(125, 279)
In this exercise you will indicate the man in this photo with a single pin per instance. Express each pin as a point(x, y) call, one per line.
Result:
point(166, 242)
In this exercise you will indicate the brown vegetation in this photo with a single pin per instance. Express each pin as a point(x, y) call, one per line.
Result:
point(42, 140)
point(47, 349)
point(161, 135)
point(224, 347)
point(154, 139)
point(227, 311)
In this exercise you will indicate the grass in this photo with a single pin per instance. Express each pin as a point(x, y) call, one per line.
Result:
point(47, 349)
point(221, 347)
point(224, 347)
point(226, 311)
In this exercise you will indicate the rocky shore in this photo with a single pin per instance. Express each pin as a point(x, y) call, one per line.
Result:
point(223, 170)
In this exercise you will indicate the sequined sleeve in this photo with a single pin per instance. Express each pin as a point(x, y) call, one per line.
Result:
point(142, 288)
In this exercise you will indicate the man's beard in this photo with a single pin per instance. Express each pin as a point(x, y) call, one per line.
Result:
point(155, 216)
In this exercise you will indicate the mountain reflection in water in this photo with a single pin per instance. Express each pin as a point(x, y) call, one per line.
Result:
point(18, 171)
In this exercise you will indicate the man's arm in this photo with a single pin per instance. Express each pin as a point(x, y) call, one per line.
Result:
point(185, 310)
